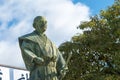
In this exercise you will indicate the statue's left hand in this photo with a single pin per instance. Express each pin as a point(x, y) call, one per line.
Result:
point(63, 73)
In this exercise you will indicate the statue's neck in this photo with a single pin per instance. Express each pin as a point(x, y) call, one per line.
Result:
point(39, 33)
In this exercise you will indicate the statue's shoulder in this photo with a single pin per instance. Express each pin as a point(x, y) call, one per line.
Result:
point(30, 36)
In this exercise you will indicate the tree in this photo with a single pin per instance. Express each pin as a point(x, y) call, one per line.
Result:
point(96, 52)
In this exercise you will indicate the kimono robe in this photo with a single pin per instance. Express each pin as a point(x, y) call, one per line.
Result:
point(36, 45)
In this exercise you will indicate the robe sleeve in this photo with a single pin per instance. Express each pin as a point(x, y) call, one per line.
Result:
point(61, 64)
point(28, 55)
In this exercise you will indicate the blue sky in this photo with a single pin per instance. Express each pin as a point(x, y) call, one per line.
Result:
point(95, 5)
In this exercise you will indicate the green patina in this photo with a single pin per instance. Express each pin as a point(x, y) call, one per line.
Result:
point(42, 58)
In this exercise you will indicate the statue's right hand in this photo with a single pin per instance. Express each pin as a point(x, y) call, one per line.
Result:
point(38, 60)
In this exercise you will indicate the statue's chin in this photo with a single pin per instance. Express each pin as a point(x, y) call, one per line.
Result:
point(41, 32)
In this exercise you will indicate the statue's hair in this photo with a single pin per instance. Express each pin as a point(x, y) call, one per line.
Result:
point(37, 19)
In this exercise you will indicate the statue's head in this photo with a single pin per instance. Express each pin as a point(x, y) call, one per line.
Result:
point(40, 24)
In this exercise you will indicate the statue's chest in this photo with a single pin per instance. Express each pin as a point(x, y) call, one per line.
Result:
point(48, 50)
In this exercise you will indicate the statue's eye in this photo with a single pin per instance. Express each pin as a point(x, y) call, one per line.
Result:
point(45, 22)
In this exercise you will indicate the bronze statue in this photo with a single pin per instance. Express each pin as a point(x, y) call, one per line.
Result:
point(41, 57)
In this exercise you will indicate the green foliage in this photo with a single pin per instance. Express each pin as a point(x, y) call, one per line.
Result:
point(96, 52)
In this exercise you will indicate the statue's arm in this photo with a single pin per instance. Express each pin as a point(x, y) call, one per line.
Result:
point(27, 49)
point(28, 53)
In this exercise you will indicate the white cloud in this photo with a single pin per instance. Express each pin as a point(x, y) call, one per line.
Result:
point(16, 17)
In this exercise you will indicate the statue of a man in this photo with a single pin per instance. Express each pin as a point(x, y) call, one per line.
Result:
point(41, 57)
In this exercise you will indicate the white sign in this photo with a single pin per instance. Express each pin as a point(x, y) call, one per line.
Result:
point(20, 74)
point(4, 73)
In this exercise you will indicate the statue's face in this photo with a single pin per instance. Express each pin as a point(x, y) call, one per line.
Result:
point(40, 24)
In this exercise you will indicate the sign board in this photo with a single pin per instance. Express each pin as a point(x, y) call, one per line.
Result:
point(20, 74)
point(4, 73)
point(13, 73)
